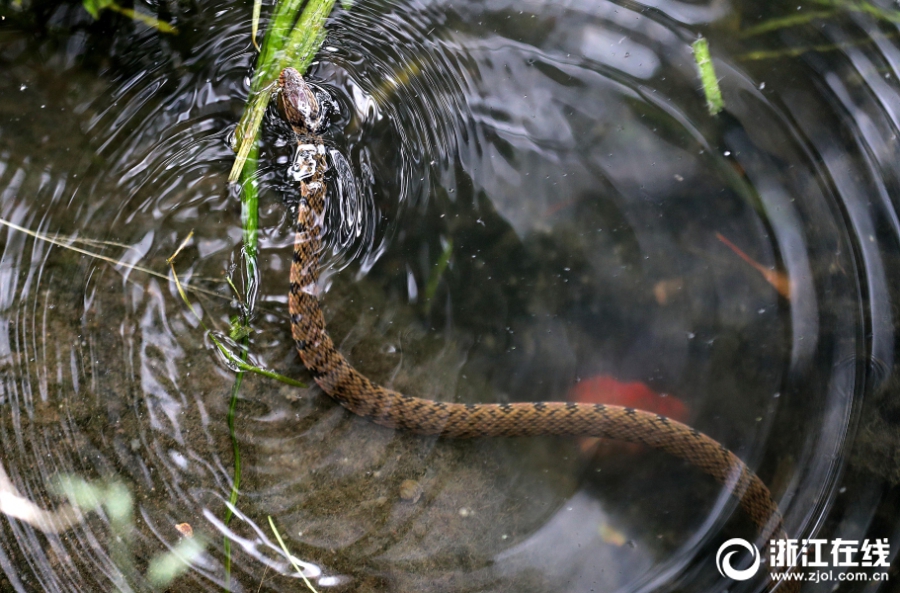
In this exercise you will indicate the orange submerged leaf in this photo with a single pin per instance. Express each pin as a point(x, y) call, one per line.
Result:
point(779, 280)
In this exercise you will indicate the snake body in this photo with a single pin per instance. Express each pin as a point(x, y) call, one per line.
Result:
point(350, 388)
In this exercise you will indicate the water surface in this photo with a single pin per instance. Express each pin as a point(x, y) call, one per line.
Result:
point(562, 156)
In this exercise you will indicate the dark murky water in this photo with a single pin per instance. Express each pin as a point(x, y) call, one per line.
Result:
point(563, 156)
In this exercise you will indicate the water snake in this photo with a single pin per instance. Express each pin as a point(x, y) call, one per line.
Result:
point(304, 112)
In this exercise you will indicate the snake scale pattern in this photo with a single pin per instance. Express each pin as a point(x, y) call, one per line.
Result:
point(347, 386)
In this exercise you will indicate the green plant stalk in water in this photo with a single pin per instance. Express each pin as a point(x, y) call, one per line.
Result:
point(834, 8)
point(236, 483)
point(95, 6)
point(283, 46)
point(290, 556)
point(437, 273)
point(288, 41)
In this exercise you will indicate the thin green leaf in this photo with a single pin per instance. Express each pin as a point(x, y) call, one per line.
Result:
point(786, 21)
point(891, 16)
point(245, 366)
point(237, 362)
point(437, 273)
point(116, 262)
point(161, 26)
point(793, 52)
point(290, 556)
point(254, 24)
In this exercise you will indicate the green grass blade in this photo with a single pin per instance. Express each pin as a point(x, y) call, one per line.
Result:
point(240, 363)
point(254, 24)
point(290, 556)
point(155, 23)
point(437, 273)
point(236, 482)
point(786, 21)
point(307, 36)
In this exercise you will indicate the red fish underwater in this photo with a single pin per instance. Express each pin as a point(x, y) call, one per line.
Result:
point(604, 389)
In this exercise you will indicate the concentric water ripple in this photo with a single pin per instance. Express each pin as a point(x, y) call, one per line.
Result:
point(559, 157)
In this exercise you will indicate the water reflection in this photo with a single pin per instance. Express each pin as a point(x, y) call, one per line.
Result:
point(561, 156)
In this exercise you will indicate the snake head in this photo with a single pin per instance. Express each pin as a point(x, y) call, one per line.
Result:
point(299, 103)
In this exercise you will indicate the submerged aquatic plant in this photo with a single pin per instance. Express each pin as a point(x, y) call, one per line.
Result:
point(711, 89)
point(830, 9)
point(114, 499)
point(95, 6)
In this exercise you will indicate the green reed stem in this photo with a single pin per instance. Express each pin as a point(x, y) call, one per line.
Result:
point(236, 450)
point(250, 228)
point(254, 24)
point(241, 363)
point(289, 41)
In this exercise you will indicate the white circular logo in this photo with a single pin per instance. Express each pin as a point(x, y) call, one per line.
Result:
point(723, 559)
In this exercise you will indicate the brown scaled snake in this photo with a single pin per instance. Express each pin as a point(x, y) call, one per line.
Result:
point(350, 388)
